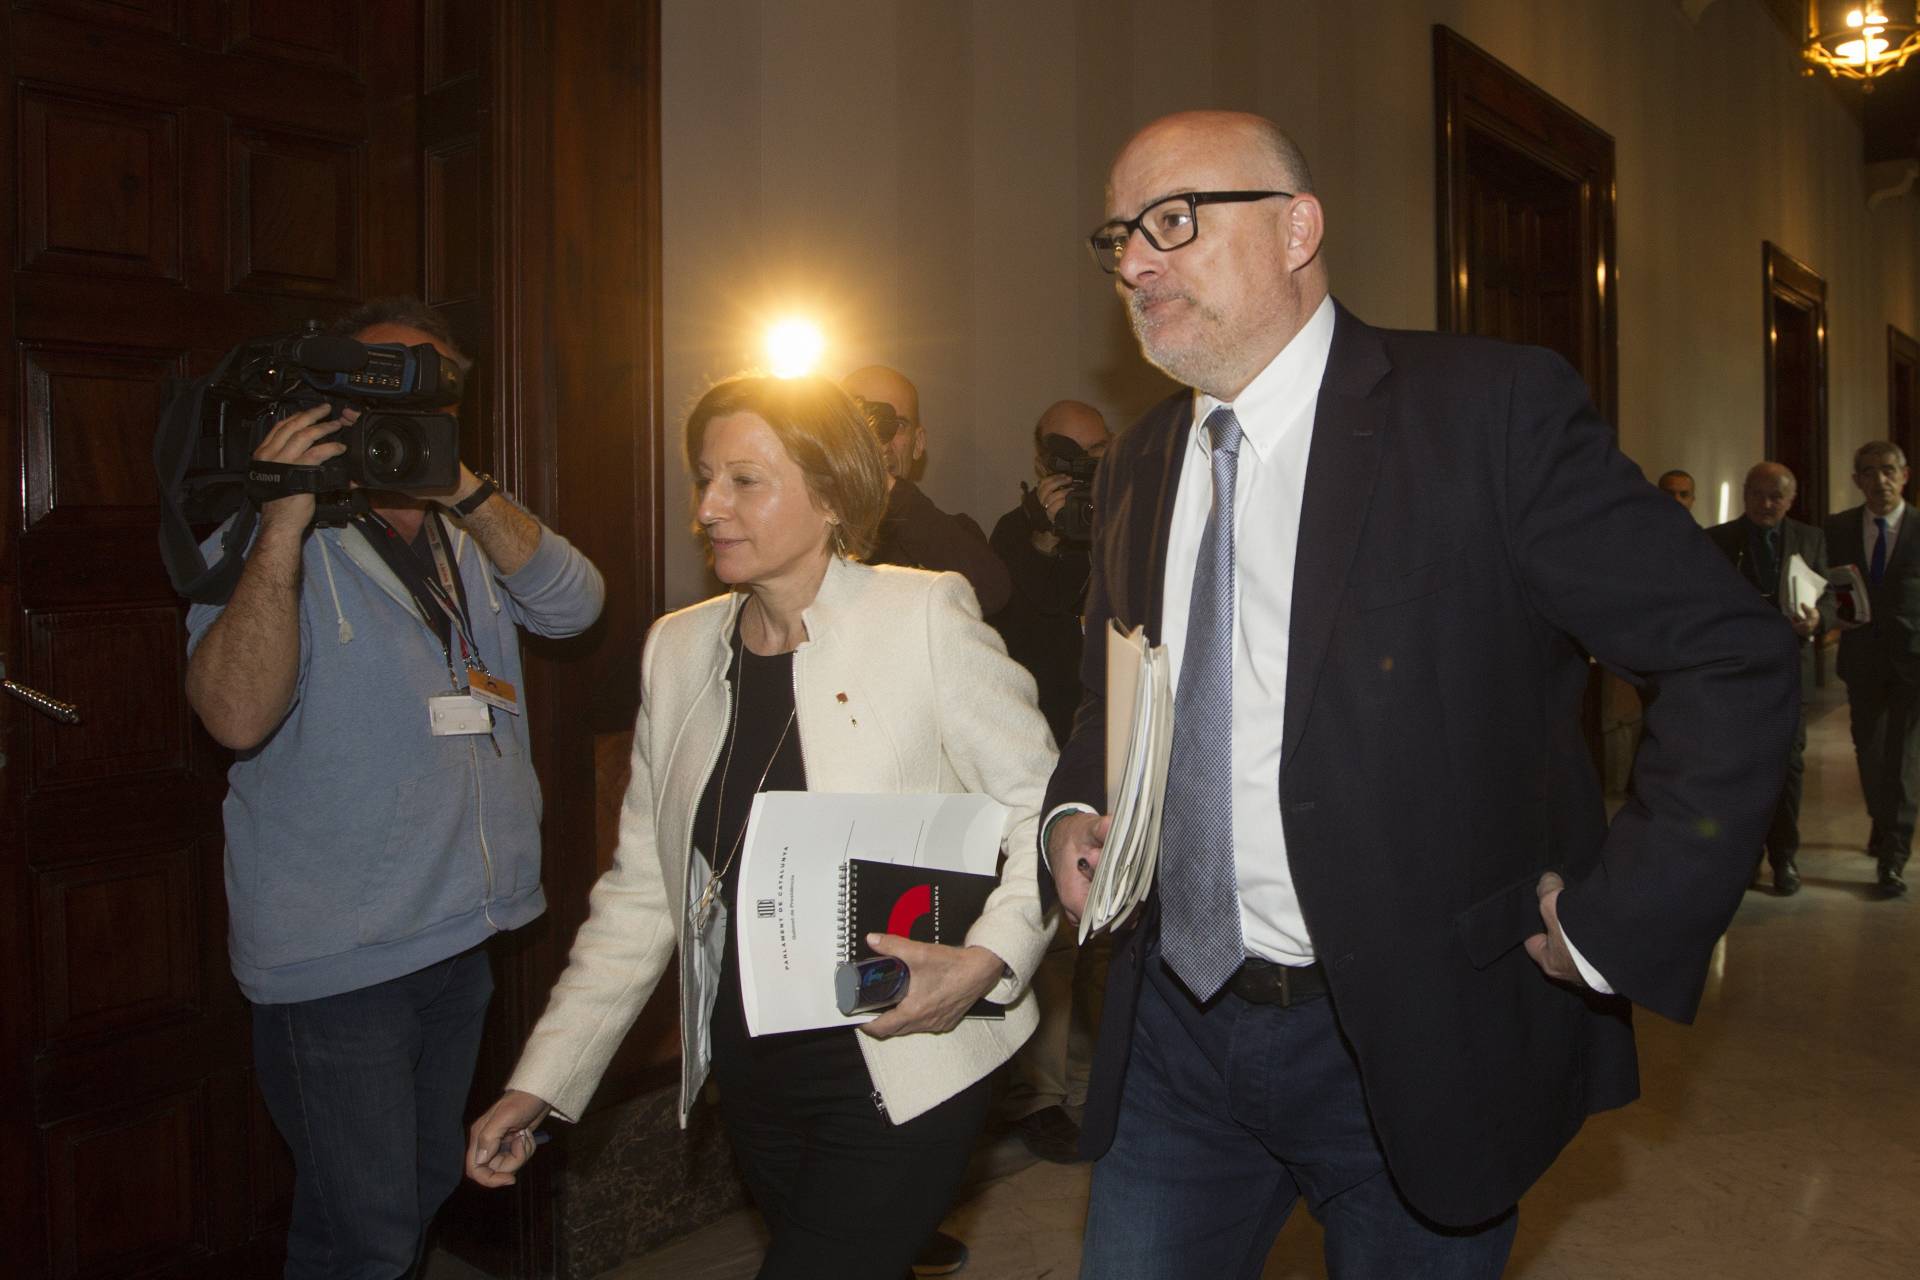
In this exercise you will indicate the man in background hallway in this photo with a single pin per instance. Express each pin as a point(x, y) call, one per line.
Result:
point(1678, 485)
point(1760, 544)
point(1880, 661)
point(1043, 542)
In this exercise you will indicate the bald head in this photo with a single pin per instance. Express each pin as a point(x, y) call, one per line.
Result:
point(890, 387)
point(1769, 492)
point(1278, 163)
point(1214, 309)
point(1078, 422)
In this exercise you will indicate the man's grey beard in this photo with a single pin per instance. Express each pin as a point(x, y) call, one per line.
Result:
point(1204, 366)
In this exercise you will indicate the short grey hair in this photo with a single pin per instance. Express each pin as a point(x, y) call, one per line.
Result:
point(1286, 156)
point(402, 309)
point(1877, 449)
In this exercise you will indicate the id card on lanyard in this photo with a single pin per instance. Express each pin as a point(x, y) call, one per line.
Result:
point(465, 710)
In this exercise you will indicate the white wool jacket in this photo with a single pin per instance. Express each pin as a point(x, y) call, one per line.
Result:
point(899, 687)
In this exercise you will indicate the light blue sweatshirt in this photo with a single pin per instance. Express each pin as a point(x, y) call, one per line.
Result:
point(359, 846)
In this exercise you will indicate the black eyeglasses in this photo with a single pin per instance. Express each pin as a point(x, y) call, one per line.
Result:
point(1167, 224)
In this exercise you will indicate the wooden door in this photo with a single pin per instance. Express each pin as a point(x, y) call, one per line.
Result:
point(1794, 326)
point(1903, 396)
point(1525, 212)
point(182, 174)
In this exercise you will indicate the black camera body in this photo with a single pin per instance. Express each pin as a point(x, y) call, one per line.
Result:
point(396, 442)
point(1062, 456)
point(203, 452)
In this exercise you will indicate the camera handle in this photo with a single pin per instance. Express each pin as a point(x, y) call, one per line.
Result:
point(268, 481)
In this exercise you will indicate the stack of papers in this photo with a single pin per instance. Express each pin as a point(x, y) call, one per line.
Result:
point(1139, 740)
point(1805, 585)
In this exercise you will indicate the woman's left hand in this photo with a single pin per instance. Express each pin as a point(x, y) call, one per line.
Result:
point(946, 982)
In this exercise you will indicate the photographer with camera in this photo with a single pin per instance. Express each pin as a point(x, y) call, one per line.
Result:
point(1044, 543)
point(382, 817)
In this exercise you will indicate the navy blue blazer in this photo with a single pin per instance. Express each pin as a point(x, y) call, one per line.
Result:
point(1469, 535)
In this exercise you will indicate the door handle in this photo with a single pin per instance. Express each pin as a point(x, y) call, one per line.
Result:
point(64, 712)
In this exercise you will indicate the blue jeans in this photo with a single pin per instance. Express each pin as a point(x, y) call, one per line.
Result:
point(369, 1088)
point(1229, 1115)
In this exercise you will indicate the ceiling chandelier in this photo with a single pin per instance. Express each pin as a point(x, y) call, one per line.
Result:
point(1860, 39)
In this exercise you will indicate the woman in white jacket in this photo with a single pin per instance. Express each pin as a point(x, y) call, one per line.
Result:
point(813, 672)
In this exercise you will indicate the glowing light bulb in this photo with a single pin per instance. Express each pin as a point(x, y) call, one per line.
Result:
point(794, 347)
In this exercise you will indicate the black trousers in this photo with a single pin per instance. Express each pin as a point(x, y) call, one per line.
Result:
point(1783, 833)
point(1886, 745)
point(845, 1192)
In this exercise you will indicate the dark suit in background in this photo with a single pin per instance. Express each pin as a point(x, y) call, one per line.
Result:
point(1880, 663)
point(1745, 544)
point(1469, 534)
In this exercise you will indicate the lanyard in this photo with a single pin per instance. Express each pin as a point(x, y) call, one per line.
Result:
point(440, 597)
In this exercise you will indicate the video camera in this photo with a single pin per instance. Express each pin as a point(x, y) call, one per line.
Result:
point(211, 426)
point(1062, 456)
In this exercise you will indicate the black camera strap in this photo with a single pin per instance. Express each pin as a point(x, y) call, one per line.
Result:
point(440, 594)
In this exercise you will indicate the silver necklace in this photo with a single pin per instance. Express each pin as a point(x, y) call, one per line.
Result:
point(709, 896)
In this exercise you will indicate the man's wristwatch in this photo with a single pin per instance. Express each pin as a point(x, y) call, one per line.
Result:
point(477, 499)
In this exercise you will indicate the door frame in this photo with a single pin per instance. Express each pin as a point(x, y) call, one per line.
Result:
point(1476, 93)
point(1903, 360)
point(1786, 278)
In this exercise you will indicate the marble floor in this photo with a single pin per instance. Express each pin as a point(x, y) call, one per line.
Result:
point(1777, 1137)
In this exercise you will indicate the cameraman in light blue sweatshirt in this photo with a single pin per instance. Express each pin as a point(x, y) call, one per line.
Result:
point(382, 815)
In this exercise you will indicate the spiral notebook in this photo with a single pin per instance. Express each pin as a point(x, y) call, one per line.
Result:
point(793, 915)
point(926, 904)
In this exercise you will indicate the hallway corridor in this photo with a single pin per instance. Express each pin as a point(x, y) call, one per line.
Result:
point(1778, 1137)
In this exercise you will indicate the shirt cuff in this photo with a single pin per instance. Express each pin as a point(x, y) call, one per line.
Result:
point(1587, 971)
point(1046, 827)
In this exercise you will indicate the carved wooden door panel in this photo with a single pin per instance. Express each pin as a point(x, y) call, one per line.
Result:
point(181, 174)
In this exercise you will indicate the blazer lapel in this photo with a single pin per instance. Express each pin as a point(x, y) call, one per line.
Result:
point(1171, 456)
point(1342, 463)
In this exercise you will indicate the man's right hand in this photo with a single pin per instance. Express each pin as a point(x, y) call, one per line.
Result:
point(1074, 844)
point(502, 1140)
point(300, 441)
point(1053, 490)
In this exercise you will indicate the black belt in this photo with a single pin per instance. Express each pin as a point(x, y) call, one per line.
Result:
point(1264, 982)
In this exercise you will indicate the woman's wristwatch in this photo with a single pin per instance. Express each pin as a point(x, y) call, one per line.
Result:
point(477, 499)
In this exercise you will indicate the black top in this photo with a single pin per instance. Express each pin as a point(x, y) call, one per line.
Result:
point(1041, 624)
point(920, 535)
point(762, 690)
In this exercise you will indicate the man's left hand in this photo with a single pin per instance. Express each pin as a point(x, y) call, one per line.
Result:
point(946, 982)
point(463, 488)
point(1807, 622)
point(1549, 949)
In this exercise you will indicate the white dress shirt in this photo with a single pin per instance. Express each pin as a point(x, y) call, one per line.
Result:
point(1276, 421)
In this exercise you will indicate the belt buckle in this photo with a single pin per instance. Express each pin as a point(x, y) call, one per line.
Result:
point(1282, 981)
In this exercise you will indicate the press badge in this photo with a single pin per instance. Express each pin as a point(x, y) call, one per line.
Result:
point(452, 714)
point(493, 691)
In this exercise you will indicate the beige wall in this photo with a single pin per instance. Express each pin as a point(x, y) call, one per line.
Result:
point(918, 173)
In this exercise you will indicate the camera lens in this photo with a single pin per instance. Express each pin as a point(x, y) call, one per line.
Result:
point(391, 452)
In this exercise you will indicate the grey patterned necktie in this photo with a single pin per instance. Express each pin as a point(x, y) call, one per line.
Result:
point(1199, 891)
